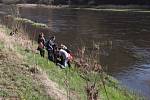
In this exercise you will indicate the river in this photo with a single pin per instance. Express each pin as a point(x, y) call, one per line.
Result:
point(124, 37)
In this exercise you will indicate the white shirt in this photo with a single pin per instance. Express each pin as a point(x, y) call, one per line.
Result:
point(63, 53)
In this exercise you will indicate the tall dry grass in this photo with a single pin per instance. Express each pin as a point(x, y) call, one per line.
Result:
point(12, 42)
point(20, 38)
point(92, 72)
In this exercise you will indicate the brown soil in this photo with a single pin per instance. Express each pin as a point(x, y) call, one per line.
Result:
point(52, 88)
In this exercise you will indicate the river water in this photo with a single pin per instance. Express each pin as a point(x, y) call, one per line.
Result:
point(124, 37)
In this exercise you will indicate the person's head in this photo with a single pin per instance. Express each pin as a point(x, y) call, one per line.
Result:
point(41, 35)
point(53, 38)
point(63, 46)
point(58, 49)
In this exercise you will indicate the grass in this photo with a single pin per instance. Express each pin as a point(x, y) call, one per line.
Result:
point(28, 89)
point(76, 83)
point(58, 75)
point(15, 79)
point(24, 20)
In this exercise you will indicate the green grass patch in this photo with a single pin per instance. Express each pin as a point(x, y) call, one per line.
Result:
point(76, 83)
point(16, 81)
point(24, 20)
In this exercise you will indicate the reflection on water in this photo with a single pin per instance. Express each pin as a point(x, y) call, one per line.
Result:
point(128, 56)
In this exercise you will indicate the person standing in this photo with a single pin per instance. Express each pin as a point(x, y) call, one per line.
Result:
point(50, 46)
point(41, 44)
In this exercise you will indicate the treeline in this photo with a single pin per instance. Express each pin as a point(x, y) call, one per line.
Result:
point(103, 2)
point(82, 2)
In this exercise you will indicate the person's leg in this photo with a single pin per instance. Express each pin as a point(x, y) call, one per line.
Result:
point(62, 63)
point(65, 62)
point(42, 52)
point(59, 63)
point(69, 65)
point(50, 56)
point(55, 58)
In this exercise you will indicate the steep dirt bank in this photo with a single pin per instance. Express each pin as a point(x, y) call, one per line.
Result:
point(17, 77)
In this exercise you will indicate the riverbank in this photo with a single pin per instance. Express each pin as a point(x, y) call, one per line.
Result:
point(88, 7)
point(76, 84)
point(19, 79)
point(42, 5)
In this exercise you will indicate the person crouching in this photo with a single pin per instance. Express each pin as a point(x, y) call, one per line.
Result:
point(64, 58)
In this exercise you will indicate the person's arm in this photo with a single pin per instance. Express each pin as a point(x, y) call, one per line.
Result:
point(44, 40)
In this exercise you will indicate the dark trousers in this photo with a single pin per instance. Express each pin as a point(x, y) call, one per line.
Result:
point(50, 55)
point(69, 65)
point(63, 62)
point(42, 52)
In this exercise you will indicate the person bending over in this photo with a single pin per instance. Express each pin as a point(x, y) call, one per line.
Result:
point(64, 58)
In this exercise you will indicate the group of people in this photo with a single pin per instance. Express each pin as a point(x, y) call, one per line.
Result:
point(60, 55)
